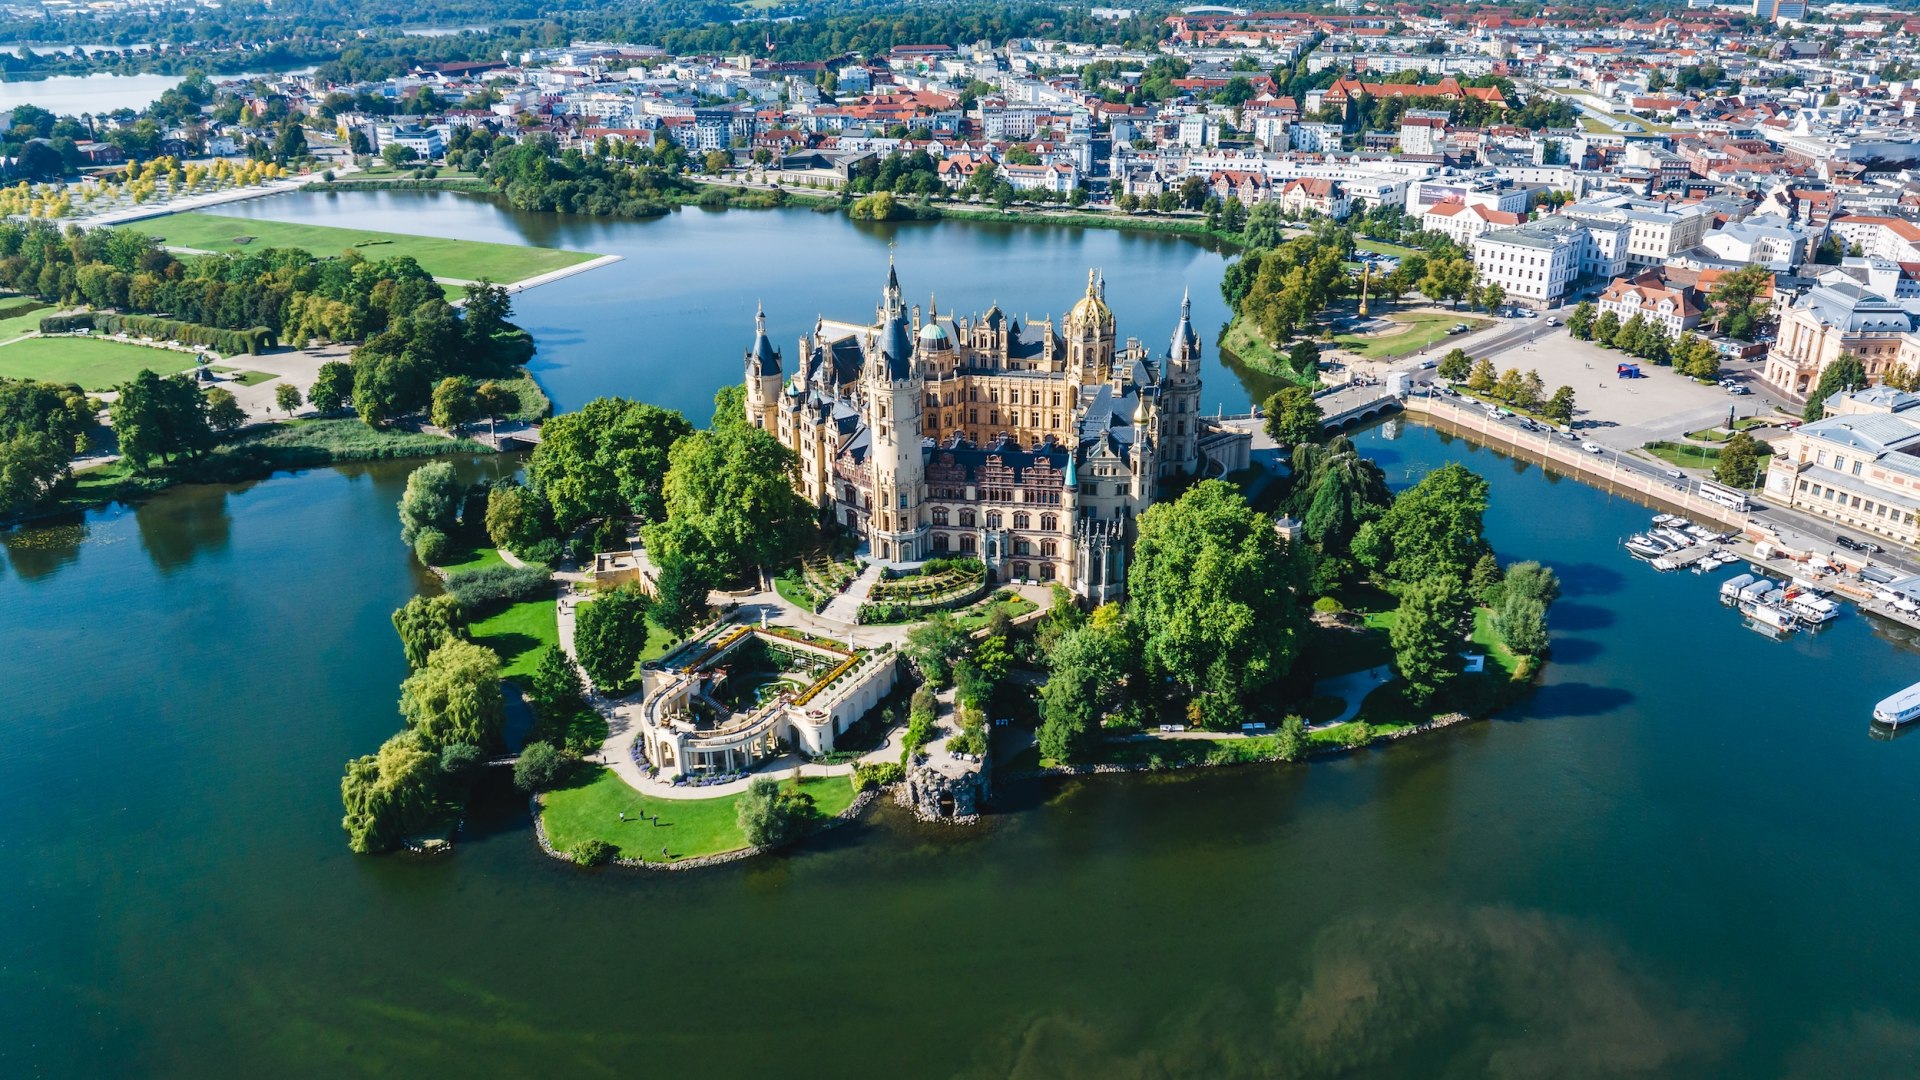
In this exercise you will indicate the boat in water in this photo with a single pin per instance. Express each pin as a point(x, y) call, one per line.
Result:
point(1898, 708)
point(1643, 546)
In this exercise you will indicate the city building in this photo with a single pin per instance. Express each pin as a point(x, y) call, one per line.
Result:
point(1839, 317)
point(1463, 223)
point(1672, 308)
point(1859, 467)
point(1533, 263)
point(1032, 447)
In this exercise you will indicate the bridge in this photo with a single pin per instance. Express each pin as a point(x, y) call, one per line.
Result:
point(1355, 404)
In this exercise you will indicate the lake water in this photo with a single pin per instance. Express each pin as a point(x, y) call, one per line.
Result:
point(1684, 856)
point(74, 95)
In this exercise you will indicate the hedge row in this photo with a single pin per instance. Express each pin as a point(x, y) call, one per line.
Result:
point(253, 340)
point(61, 324)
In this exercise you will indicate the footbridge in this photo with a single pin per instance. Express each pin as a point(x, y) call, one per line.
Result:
point(1354, 404)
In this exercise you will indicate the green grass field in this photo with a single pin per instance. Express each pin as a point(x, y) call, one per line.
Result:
point(464, 260)
point(94, 364)
point(1421, 329)
point(518, 634)
point(1380, 247)
point(26, 323)
point(1684, 455)
point(591, 809)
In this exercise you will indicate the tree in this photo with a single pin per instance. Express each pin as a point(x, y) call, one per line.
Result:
point(1522, 624)
point(1213, 590)
point(1432, 530)
point(1292, 742)
point(934, 645)
point(1303, 357)
point(424, 624)
point(160, 419)
point(1493, 295)
point(1531, 581)
point(1456, 365)
point(1485, 582)
point(730, 501)
point(1738, 303)
point(1293, 416)
point(608, 635)
point(397, 155)
point(769, 815)
point(224, 413)
point(386, 795)
point(1606, 328)
point(716, 162)
point(1531, 389)
point(1559, 407)
point(432, 500)
point(680, 596)
point(539, 767)
point(332, 388)
point(1086, 671)
point(287, 397)
point(513, 516)
point(1580, 323)
point(453, 403)
point(1510, 386)
point(609, 459)
point(1843, 374)
point(1481, 378)
point(455, 696)
point(1740, 461)
point(1425, 633)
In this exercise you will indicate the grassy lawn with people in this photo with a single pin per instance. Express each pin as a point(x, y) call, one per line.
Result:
point(443, 257)
point(590, 809)
point(92, 363)
point(1418, 330)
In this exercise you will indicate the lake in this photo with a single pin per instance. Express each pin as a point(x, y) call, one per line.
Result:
point(74, 95)
point(1684, 856)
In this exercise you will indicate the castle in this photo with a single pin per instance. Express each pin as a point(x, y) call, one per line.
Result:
point(1032, 448)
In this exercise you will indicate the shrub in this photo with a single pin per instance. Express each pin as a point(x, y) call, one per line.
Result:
point(461, 760)
point(591, 853)
point(1327, 605)
point(430, 546)
point(545, 551)
point(877, 774)
point(1357, 734)
point(770, 816)
point(540, 767)
point(497, 586)
point(61, 324)
point(252, 340)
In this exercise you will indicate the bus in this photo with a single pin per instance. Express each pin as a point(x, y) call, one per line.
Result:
point(1730, 497)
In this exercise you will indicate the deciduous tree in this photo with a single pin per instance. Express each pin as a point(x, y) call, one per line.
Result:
point(1425, 635)
point(1293, 416)
point(424, 624)
point(455, 696)
point(608, 636)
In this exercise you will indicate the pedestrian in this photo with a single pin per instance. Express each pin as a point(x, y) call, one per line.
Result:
point(623, 817)
point(663, 851)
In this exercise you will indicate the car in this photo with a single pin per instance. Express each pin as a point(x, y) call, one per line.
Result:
point(1849, 543)
point(1870, 546)
point(1738, 391)
point(1676, 474)
point(1552, 321)
point(1458, 328)
point(1592, 448)
point(1429, 363)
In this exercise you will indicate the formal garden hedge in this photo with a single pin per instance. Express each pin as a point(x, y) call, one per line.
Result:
point(253, 340)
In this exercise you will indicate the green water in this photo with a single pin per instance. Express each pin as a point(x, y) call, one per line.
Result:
point(1684, 856)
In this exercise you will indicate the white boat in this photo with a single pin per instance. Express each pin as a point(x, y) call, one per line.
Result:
point(1730, 588)
point(1669, 519)
point(1675, 537)
point(1704, 535)
point(1775, 618)
point(1899, 708)
point(1644, 547)
point(1812, 609)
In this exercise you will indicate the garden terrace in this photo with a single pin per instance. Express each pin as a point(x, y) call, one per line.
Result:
point(817, 578)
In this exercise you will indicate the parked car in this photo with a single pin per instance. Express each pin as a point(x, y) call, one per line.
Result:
point(1458, 328)
point(1429, 363)
point(1738, 390)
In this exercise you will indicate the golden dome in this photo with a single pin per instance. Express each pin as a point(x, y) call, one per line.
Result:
point(1092, 307)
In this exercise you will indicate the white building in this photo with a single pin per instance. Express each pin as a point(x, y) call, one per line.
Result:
point(1463, 223)
point(1656, 231)
point(1534, 263)
point(1315, 138)
point(1668, 307)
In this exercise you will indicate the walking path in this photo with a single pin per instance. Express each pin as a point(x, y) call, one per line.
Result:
point(1351, 689)
point(845, 608)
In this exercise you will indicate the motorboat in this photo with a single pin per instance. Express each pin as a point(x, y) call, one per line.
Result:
point(1898, 708)
point(1675, 537)
point(1644, 547)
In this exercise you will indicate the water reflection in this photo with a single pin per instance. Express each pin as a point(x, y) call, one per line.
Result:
point(192, 521)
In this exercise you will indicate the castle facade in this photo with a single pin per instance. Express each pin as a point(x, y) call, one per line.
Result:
point(1033, 448)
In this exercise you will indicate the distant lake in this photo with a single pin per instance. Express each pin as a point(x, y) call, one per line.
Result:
point(71, 95)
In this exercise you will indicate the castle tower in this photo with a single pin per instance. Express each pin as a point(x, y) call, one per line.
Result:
point(1089, 334)
point(763, 378)
point(1180, 399)
point(895, 390)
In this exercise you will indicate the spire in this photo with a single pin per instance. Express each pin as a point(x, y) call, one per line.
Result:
point(1186, 343)
point(763, 358)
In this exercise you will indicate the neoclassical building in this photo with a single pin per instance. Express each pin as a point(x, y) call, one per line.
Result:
point(1034, 448)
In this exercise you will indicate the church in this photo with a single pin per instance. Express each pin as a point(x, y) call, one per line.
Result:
point(1033, 448)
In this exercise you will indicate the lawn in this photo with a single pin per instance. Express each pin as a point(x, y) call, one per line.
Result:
point(472, 559)
point(463, 260)
point(591, 809)
point(1380, 247)
point(1683, 455)
point(1249, 346)
point(253, 378)
point(1421, 330)
point(94, 364)
point(518, 634)
point(25, 322)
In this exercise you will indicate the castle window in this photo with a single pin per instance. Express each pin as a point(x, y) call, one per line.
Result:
point(903, 500)
point(939, 541)
point(1046, 571)
point(1049, 522)
point(966, 518)
point(994, 519)
point(1019, 569)
point(939, 515)
point(966, 542)
point(1022, 520)
point(1056, 400)
point(1049, 548)
point(1021, 547)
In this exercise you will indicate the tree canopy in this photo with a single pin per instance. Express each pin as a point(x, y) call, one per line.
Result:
point(1212, 591)
point(608, 459)
point(455, 696)
point(730, 502)
point(1432, 530)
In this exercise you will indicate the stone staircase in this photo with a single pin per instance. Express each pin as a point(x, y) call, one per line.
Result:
point(845, 608)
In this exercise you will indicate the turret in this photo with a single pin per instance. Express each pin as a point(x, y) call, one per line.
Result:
point(895, 394)
point(763, 376)
point(1089, 333)
point(1179, 420)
